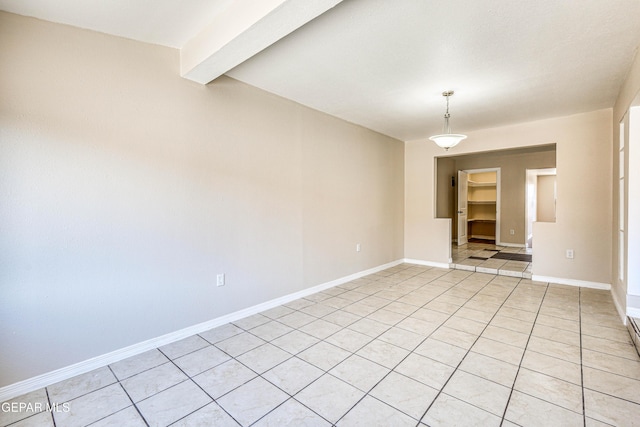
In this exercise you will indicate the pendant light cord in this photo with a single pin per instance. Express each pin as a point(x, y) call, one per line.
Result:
point(447, 128)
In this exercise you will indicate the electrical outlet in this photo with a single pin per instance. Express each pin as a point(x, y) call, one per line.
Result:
point(357, 247)
point(512, 231)
point(570, 253)
point(220, 280)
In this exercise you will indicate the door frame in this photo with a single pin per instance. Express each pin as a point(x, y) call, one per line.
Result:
point(462, 211)
point(498, 195)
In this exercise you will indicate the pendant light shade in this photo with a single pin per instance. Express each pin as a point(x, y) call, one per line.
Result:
point(447, 139)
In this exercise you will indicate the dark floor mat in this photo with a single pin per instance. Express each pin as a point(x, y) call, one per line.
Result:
point(512, 257)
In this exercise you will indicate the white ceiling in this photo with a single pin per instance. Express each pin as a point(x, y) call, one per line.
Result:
point(383, 64)
point(165, 22)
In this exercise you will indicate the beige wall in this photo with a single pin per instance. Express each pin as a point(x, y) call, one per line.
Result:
point(626, 292)
point(446, 192)
point(583, 144)
point(125, 189)
point(546, 199)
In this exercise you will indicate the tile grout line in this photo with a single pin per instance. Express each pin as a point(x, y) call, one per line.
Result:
point(144, 420)
point(326, 372)
point(258, 375)
point(410, 352)
point(584, 412)
point(117, 381)
point(53, 418)
point(387, 285)
point(635, 359)
point(470, 347)
point(543, 373)
point(189, 378)
point(524, 352)
point(292, 396)
point(366, 393)
point(580, 364)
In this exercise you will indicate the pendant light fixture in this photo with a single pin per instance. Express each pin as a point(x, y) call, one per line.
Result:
point(447, 139)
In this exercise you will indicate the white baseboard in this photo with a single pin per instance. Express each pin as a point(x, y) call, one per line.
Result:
point(49, 378)
point(512, 245)
point(633, 303)
point(426, 263)
point(633, 312)
point(620, 308)
point(572, 282)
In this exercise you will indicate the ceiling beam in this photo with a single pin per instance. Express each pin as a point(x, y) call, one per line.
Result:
point(243, 29)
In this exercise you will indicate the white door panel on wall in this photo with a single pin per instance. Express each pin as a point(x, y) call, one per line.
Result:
point(462, 207)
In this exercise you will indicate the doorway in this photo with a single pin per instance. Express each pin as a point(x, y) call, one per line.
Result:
point(508, 253)
point(541, 199)
point(510, 210)
point(478, 213)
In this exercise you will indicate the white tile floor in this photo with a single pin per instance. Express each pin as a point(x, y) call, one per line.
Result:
point(409, 346)
point(476, 257)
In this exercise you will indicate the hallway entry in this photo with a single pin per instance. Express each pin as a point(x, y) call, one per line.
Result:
point(541, 199)
point(496, 201)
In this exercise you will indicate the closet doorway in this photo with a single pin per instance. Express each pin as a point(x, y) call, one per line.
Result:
point(478, 212)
